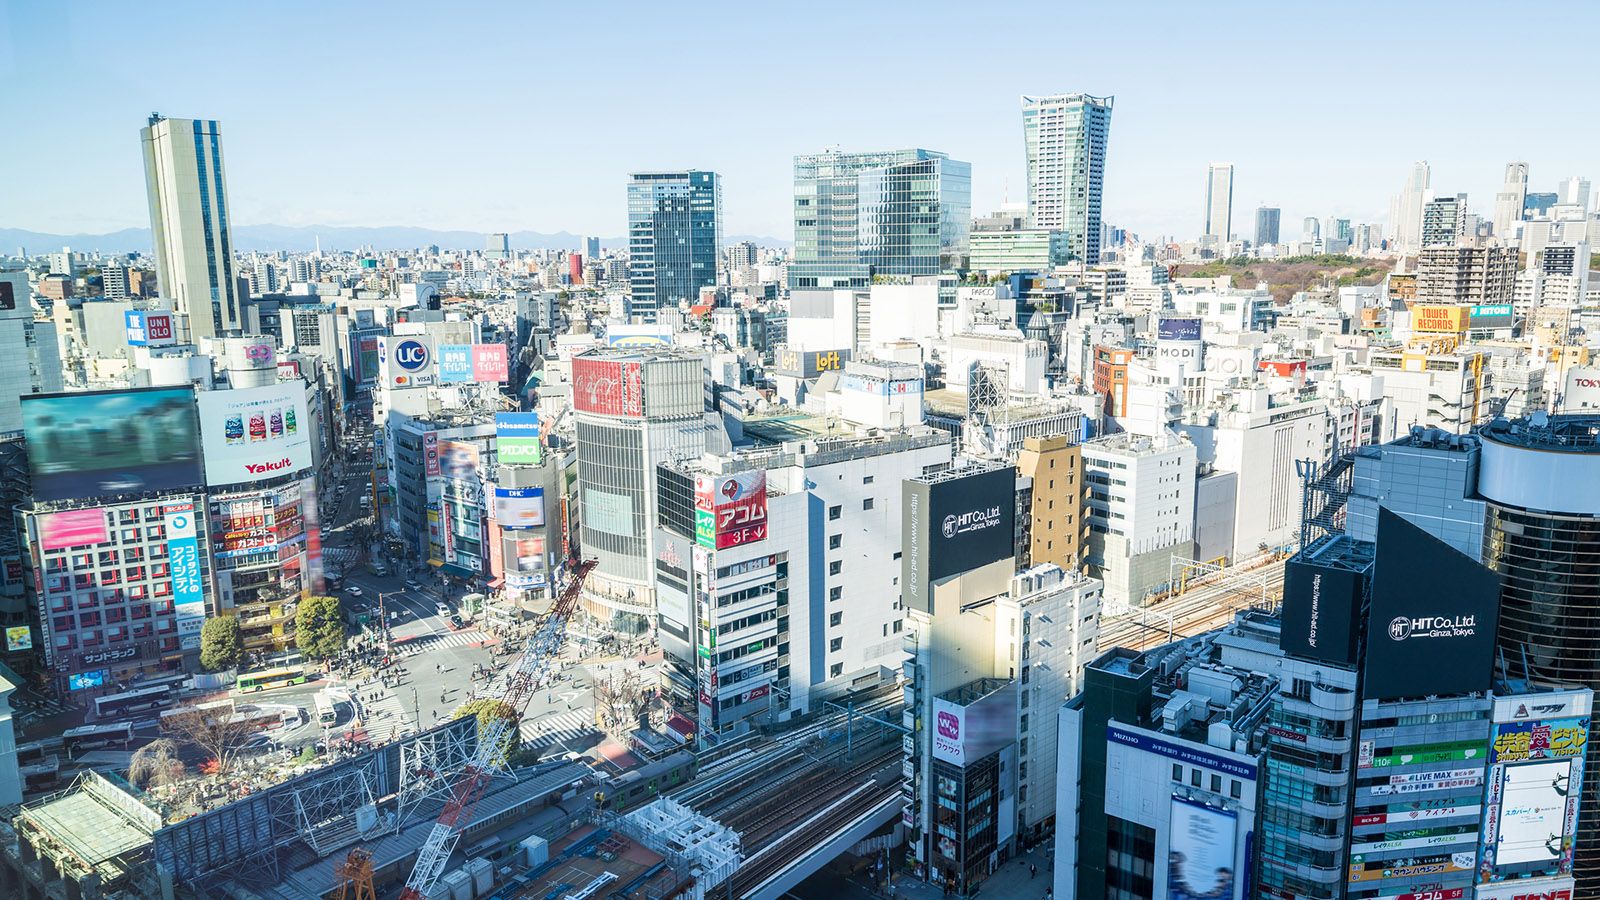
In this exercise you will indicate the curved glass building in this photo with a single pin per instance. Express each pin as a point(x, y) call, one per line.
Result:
point(1540, 478)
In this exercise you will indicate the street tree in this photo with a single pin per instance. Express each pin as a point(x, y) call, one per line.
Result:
point(156, 765)
point(319, 628)
point(221, 645)
point(488, 711)
point(215, 729)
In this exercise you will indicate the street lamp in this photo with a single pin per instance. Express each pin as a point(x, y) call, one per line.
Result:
point(383, 623)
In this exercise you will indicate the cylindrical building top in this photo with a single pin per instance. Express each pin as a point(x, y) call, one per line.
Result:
point(1545, 462)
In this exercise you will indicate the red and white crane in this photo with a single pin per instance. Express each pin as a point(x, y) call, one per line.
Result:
point(521, 680)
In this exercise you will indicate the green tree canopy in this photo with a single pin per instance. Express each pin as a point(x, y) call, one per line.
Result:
point(492, 709)
point(318, 628)
point(220, 643)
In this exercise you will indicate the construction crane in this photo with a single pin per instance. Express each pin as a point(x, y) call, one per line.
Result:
point(518, 686)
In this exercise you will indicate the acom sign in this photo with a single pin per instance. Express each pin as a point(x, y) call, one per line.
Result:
point(1433, 616)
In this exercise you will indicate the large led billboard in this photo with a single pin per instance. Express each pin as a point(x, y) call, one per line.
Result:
point(1200, 852)
point(1536, 762)
point(955, 522)
point(730, 510)
point(1321, 611)
point(112, 442)
point(250, 434)
point(608, 386)
point(1433, 616)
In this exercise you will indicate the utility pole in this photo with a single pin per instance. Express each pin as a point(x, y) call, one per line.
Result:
point(416, 710)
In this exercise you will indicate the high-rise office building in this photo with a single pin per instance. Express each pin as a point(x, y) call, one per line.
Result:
point(189, 223)
point(674, 237)
point(1405, 210)
point(497, 246)
point(1444, 221)
point(1066, 136)
point(860, 215)
point(1574, 191)
point(1508, 203)
point(1540, 480)
point(631, 412)
point(1219, 202)
point(1267, 225)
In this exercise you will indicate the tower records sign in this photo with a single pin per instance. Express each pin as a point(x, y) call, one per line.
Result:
point(1433, 616)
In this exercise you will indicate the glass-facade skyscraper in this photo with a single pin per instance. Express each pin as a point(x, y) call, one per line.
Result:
point(674, 237)
point(1066, 137)
point(189, 223)
point(892, 213)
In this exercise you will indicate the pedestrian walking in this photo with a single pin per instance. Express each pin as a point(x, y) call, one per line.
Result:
point(1032, 871)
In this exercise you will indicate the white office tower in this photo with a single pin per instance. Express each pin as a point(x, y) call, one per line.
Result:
point(1258, 438)
point(1140, 511)
point(1066, 136)
point(1508, 203)
point(30, 359)
point(1574, 191)
point(791, 552)
point(189, 224)
point(1219, 203)
point(1405, 210)
point(631, 411)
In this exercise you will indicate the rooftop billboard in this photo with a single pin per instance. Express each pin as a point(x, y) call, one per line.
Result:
point(112, 442)
point(608, 386)
point(955, 523)
point(1321, 611)
point(1432, 622)
point(254, 433)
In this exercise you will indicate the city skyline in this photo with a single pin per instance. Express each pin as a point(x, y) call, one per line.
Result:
point(291, 159)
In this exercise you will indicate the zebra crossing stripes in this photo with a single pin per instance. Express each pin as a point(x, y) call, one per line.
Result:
point(427, 642)
point(557, 728)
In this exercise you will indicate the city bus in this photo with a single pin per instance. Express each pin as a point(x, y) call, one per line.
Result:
point(97, 737)
point(327, 712)
point(266, 680)
point(138, 700)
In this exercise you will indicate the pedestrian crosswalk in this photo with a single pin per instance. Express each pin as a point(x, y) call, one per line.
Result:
point(337, 557)
point(383, 713)
point(557, 728)
point(438, 641)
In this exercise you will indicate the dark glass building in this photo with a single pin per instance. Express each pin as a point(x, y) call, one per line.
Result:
point(674, 238)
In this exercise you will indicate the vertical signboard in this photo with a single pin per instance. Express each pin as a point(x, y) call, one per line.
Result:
point(430, 453)
point(1200, 854)
point(1321, 611)
point(455, 363)
point(308, 507)
point(183, 551)
point(1536, 762)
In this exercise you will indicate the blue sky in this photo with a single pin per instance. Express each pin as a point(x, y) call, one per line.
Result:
point(528, 116)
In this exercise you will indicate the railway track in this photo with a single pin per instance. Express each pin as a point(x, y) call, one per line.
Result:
point(1196, 611)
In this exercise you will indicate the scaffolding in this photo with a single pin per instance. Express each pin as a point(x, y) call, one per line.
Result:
point(689, 841)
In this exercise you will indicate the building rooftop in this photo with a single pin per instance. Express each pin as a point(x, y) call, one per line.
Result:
point(973, 691)
point(1574, 433)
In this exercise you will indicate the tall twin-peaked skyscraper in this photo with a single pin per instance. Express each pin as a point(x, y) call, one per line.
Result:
point(1066, 137)
point(189, 223)
point(674, 237)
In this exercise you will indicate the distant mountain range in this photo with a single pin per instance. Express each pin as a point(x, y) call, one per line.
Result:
point(302, 239)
